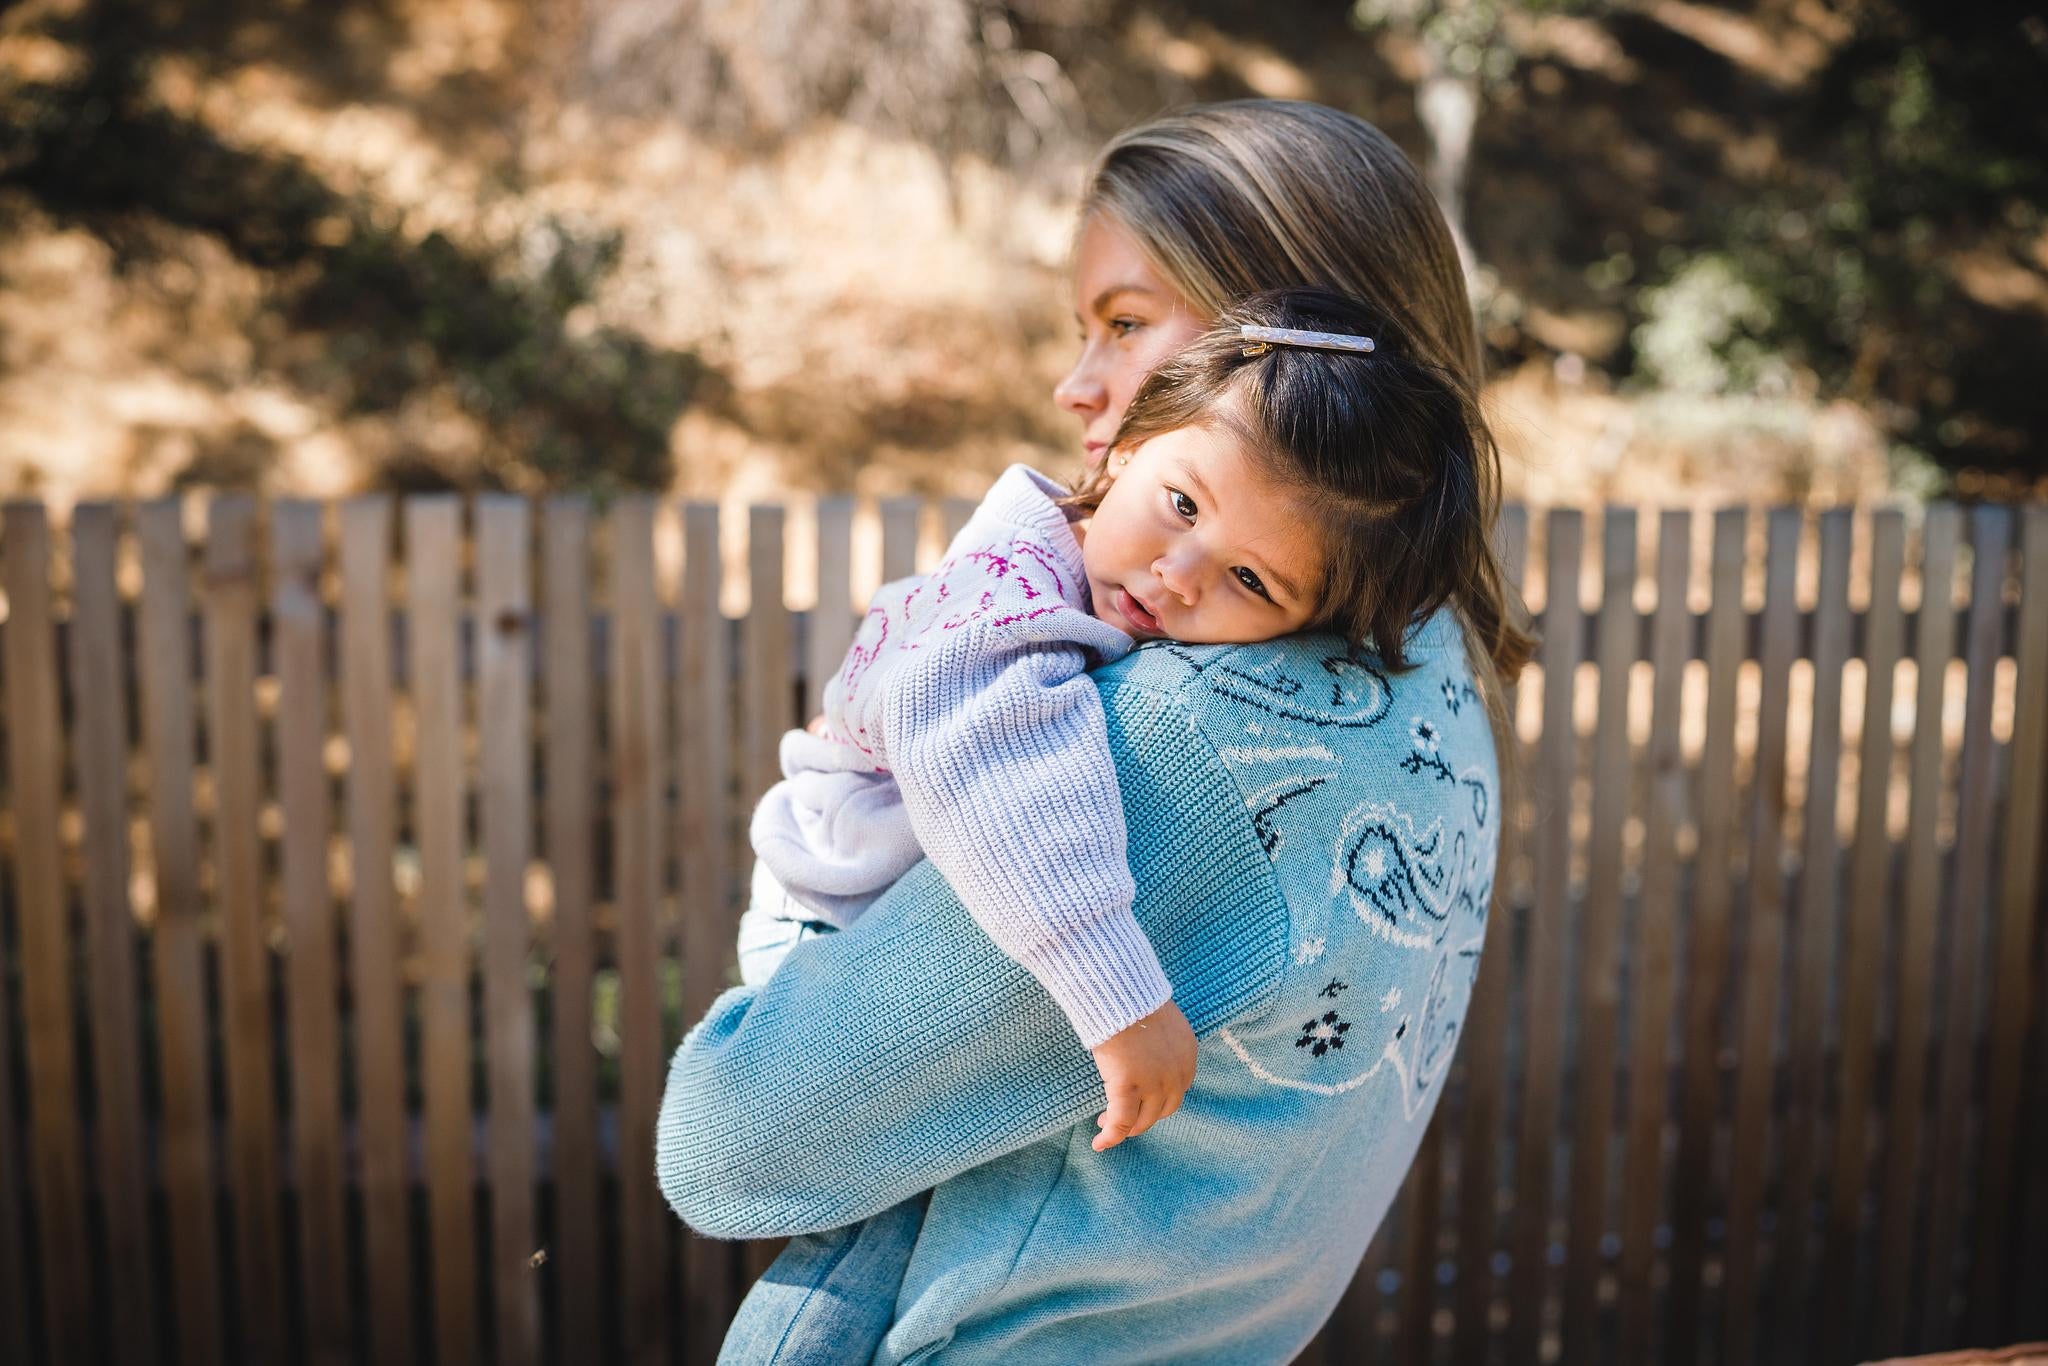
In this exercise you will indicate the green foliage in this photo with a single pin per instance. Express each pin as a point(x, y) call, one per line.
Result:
point(1705, 331)
point(1914, 148)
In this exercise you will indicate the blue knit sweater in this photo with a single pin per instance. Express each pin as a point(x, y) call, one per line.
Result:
point(1314, 844)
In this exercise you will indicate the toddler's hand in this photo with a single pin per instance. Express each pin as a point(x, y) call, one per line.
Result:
point(1146, 1070)
point(817, 725)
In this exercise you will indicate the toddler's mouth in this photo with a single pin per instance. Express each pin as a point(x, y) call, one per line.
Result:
point(1134, 612)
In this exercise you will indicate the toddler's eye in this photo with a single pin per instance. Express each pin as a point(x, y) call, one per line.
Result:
point(1252, 581)
point(1182, 504)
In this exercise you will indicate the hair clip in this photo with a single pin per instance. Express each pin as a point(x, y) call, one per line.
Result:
point(1259, 340)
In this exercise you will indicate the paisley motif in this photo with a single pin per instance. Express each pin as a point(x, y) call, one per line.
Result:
point(1352, 694)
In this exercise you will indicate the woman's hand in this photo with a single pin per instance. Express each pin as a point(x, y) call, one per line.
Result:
point(1146, 1070)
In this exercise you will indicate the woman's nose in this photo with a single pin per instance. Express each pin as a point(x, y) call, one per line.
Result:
point(1082, 392)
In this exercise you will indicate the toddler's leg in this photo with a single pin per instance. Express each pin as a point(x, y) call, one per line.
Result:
point(830, 1297)
point(772, 925)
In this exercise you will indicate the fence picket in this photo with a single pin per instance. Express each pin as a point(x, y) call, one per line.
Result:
point(374, 938)
point(571, 802)
point(953, 515)
point(433, 574)
point(1542, 1072)
point(768, 703)
point(34, 784)
point(1862, 952)
point(902, 519)
point(1969, 913)
point(1415, 1336)
point(1598, 965)
point(100, 763)
point(1763, 935)
point(1813, 937)
point(16, 1309)
point(1655, 947)
point(230, 607)
point(297, 555)
point(637, 775)
point(186, 1160)
point(504, 636)
point(831, 625)
point(765, 654)
point(704, 697)
point(2031, 1264)
point(1708, 951)
point(1380, 1320)
point(1935, 636)
point(1351, 1322)
point(1484, 1047)
point(2012, 978)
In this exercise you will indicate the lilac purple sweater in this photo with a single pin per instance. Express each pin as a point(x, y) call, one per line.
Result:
point(963, 727)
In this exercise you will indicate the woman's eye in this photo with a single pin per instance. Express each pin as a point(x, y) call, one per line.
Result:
point(1252, 581)
point(1123, 327)
point(1182, 504)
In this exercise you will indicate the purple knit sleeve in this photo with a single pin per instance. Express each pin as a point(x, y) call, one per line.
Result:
point(1002, 753)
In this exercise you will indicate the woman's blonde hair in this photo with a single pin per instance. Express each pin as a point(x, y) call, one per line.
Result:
point(1233, 199)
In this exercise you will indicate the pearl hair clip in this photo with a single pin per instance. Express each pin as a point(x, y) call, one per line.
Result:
point(1259, 340)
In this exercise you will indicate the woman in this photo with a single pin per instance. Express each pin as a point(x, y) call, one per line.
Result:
point(1313, 838)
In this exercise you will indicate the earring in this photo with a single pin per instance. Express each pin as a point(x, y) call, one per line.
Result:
point(1123, 460)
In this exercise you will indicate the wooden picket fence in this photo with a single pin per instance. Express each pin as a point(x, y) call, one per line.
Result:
point(356, 897)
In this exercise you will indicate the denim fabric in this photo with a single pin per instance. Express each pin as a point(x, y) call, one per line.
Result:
point(829, 1298)
point(774, 923)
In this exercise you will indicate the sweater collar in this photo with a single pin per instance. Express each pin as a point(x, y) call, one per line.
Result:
point(1024, 498)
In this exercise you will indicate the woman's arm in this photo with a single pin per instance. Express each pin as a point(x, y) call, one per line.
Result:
point(881, 1061)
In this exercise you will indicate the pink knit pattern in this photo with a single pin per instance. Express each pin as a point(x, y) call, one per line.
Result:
point(1004, 584)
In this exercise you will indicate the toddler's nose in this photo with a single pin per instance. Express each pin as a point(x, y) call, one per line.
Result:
point(1176, 579)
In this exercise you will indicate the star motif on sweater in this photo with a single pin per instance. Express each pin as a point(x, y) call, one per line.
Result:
point(1321, 1035)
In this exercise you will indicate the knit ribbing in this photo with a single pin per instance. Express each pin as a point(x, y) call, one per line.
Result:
point(967, 689)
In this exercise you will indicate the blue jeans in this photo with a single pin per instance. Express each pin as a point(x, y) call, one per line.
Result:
point(829, 1299)
point(774, 923)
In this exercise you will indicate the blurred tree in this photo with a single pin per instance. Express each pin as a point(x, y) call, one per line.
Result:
point(500, 325)
point(952, 73)
point(1898, 251)
point(1466, 49)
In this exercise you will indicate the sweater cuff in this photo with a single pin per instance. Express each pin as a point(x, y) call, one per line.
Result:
point(1104, 975)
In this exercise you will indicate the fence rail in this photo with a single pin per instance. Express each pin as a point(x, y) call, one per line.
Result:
point(364, 861)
